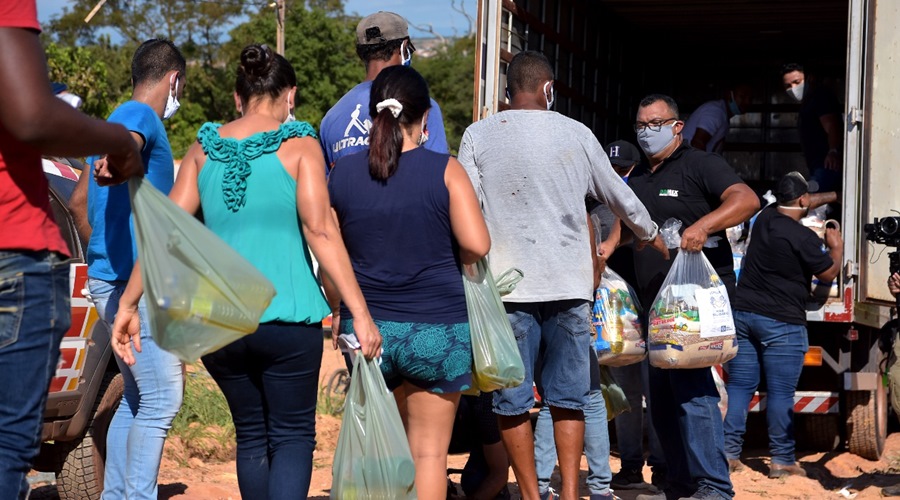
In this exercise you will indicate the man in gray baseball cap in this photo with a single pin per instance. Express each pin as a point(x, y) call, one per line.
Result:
point(382, 40)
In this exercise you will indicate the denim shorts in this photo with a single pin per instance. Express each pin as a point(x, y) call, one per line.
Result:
point(436, 357)
point(554, 339)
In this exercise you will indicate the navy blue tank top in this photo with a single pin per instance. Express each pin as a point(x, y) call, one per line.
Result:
point(399, 238)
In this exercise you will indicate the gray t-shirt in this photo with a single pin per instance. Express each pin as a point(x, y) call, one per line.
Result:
point(532, 171)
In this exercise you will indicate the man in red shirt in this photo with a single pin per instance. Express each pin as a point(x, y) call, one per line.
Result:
point(34, 274)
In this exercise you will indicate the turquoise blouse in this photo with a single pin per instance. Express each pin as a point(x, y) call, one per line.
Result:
point(249, 200)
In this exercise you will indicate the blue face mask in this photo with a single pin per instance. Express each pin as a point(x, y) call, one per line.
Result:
point(405, 54)
point(733, 106)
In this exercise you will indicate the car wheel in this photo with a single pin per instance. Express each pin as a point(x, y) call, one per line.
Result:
point(81, 474)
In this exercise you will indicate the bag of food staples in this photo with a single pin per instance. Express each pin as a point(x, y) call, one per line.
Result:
point(616, 317)
point(690, 322)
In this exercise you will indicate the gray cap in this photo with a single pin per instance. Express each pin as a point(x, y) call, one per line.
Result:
point(381, 27)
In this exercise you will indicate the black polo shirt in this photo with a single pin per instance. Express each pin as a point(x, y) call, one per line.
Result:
point(687, 186)
point(781, 259)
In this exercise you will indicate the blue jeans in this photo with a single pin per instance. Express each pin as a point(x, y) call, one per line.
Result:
point(271, 381)
point(553, 338)
point(635, 382)
point(34, 316)
point(778, 349)
point(596, 440)
point(688, 421)
point(154, 388)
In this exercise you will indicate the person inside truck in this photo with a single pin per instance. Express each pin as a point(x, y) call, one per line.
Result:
point(820, 125)
point(702, 190)
point(770, 319)
point(533, 168)
point(382, 41)
point(706, 128)
point(34, 267)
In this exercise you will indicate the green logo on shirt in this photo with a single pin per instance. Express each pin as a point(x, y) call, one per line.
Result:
point(672, 193)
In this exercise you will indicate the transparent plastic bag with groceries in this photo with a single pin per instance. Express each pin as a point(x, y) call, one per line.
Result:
point(690, 321)
point(616, 317)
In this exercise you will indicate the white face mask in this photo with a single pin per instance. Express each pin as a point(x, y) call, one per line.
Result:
point(172, 103)
point(552, 96)
point(423, 137)
point(290, 116)
point(70, 99)
point(797, 91)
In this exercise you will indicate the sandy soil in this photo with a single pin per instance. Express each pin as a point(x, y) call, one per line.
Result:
point(829, 473)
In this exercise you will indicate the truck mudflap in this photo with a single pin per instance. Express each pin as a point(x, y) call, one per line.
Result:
point(73, 348)
point(804, 402)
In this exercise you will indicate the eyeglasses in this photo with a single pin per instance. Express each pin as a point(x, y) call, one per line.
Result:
point(655, 125)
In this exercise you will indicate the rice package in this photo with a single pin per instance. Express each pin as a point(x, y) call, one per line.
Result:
point(616, 317)
point(690, 322)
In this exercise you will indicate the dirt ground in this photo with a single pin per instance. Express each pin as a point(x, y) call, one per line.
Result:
point(831, 475)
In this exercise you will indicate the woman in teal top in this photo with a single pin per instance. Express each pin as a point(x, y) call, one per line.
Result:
point(260, 182)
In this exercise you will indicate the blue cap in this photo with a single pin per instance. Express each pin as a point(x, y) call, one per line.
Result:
point(58, 87)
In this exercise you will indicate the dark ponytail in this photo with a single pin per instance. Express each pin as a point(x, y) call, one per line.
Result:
point(408, 88)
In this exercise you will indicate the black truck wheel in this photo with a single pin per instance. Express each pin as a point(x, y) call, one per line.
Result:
point(81, 474)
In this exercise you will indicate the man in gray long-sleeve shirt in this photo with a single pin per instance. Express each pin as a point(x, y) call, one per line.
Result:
point(532, 169)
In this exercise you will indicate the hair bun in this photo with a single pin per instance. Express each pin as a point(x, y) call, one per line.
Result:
point(256, 60)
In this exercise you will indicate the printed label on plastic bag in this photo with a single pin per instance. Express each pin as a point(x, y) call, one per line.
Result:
point(715, 312)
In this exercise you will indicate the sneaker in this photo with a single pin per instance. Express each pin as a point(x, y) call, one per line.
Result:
point(735, 465)
point(778, 470)
point(706, 494)
point(607, 496)
point(628, 479)
point(891, 491)
point(652, 496)
point(658, 481)
point(550, 495)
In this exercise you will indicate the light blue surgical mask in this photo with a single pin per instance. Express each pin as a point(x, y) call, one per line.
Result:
point(405, 54)
point(733, 106)
point(652, 142)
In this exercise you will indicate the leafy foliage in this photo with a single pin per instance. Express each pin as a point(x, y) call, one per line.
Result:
point(450, 73)
point(319, 39)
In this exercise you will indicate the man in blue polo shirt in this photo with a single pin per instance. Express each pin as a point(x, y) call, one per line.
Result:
point(382, 40)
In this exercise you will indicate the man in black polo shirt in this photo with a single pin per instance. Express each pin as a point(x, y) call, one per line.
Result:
point(701, 190)
point(770, 318)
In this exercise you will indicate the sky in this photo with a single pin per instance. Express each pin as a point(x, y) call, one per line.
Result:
point(418, 12)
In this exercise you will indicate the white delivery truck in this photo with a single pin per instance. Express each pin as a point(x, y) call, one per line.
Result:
point(608, 54)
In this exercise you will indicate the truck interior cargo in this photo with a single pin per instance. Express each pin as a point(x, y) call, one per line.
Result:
point(608, 54)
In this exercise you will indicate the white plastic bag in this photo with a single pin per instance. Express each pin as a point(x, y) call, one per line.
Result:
point(201, 294)
point(691, 324)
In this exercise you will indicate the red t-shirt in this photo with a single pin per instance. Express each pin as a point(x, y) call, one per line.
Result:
point(26, 221)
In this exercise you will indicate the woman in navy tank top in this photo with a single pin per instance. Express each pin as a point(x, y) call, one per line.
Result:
point(410, 218)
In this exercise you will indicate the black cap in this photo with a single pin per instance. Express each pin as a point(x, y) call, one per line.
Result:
point(791, 187)
point(623, 153)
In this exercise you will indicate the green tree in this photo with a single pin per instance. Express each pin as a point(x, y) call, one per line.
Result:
point(87, 75)
point(450, 73)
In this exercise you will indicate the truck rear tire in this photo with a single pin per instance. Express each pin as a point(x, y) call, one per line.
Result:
point(817, 432)
point(81, 474)
point(867, 422)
